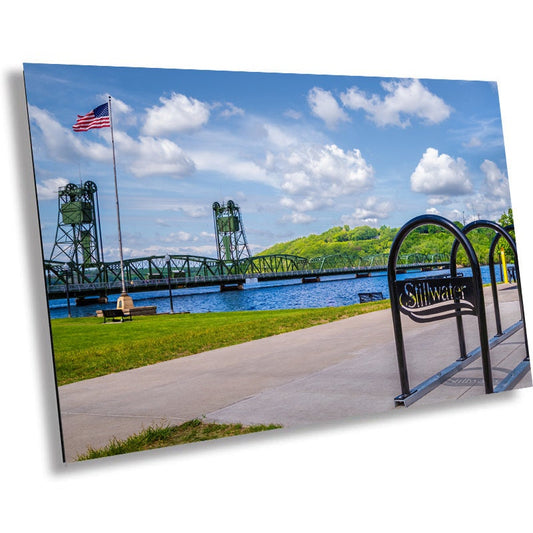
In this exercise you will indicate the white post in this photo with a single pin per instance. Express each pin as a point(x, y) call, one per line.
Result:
point(125, 301)
point(116, 199)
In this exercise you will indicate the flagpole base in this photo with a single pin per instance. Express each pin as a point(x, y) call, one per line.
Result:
point(125, 302)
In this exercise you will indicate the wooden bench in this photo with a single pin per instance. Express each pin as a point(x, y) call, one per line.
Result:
point(116, 315)
point(143, 310)
point(365, 297)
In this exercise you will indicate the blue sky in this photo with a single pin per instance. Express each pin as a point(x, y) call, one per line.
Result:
point(298, 153)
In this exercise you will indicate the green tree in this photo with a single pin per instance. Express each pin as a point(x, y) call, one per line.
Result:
point(506, 220)
point(364, 241)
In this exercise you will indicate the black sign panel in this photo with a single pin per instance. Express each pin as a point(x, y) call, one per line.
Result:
point(429, 299)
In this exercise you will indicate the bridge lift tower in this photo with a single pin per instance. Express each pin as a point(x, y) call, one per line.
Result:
point(78, 237)
point(229, 232)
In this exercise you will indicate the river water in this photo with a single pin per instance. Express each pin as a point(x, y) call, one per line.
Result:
point(333, 291)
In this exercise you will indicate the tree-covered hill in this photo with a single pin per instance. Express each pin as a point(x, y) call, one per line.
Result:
point(363, 241)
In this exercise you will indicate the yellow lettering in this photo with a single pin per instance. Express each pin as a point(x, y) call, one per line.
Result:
point(408, 298)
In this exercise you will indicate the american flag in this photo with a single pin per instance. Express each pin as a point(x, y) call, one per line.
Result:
point(97, 118)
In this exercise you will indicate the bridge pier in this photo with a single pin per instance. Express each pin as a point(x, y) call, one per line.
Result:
point(85, 300)
point(225, 287)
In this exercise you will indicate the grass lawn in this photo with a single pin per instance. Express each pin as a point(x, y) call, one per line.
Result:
point(160, 437)
point(86, 347)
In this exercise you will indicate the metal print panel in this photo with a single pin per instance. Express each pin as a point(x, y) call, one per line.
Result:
point(216, 244)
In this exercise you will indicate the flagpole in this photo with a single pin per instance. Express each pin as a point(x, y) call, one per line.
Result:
point(116, 198)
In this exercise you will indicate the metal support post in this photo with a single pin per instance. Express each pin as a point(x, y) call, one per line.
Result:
point(167, 259)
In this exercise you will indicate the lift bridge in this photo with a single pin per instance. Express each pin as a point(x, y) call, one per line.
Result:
point(77, 265)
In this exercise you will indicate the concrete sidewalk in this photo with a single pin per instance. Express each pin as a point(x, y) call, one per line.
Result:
point(327, 372)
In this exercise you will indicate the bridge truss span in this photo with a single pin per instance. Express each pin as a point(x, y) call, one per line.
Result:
point(181, 271)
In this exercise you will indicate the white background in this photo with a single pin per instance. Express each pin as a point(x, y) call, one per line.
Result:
point(461, 467)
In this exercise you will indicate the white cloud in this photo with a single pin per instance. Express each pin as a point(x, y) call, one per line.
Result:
point(232, 164)
point(181, 236)
point(489, 201)
point(480, 133)
point(495, 180)
point(298, 218)
point(324, 106)
point(195, 211)
point(205, 250)
point(324, 171)
point(439, 200)
point(278, 137)
point(481, 206)
point(370, 213)
point(112, 254)
point(231, 110)
point(404, 99)
point(440, 175)
point(47, 189)
point(148, 156)
point(122, 113)
point(251, 151)
point(474, 142)
point(432, 211)
point(144, 157)
point(312, 177)
point(301, 205)
point(292, 113)
point(167, 202)
point(494, 199)
point(177, 114)
point(62, 143)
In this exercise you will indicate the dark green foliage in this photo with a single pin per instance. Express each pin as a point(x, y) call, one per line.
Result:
point(364, 241)
point(506, 220)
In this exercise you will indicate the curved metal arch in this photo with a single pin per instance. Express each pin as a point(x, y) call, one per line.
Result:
point(493, 245)
point(438, 258)
point(198, 258)
point(413, 258)
point(181, 266)
point(55, 274)
point(462, 240)
point(293, 257)
point(375, 260)
point(497, 237)
point(500, 232)
point(275, 263)
point(476, 224)
point(196, 265)
point(336, 261)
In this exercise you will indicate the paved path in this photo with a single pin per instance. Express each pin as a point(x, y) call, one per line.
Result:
point(342, 369)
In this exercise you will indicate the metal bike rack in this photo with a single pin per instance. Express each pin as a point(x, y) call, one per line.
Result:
point(517, 373)
point(436, 298)
point(494, 288)
point(495, 298)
